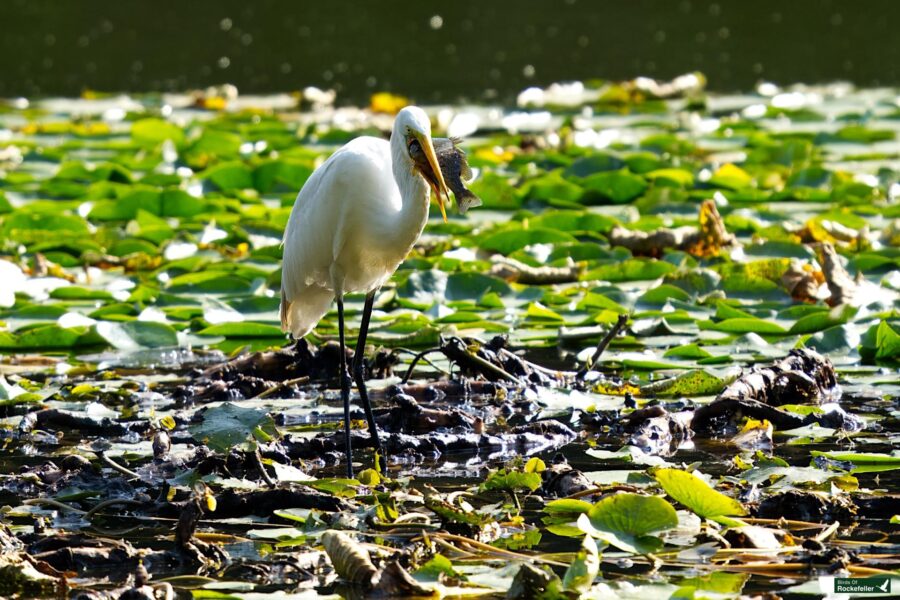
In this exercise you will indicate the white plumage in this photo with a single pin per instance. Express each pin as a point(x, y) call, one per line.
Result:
point(352, 224)
point(354, 221)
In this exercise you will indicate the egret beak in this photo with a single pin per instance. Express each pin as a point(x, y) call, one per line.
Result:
point(441, 188)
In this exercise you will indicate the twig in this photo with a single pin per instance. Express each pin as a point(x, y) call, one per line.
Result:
point(115, 532)
point(599, 490)
point(188, 580)
point(449, 537)
point(603, 343)
point(781, 567)
point(419, 356)
point(451, 547)
point(262, 468)
point(456, 350)
point(112, 502)
point(281, 385)
point(827, 533)
point(784, 522)
point(53, 503)
point(118, 467)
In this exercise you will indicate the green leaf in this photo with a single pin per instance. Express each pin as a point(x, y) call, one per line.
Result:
point(209, 282)
point(213, 144)
point(632, 269)
point(288, 174)
point(510, 240)
point(28, 227)
point(625, 520)
point(678, 177)
point(881, 342)
point(300, 515)
point(744, 325)
point(571, 220)
point(567, 506)
point(864, 461)
point(343, 488)
point(243, 329)
point(495, 192)
point(539, 312)
point(152, 132)
point(663, 293)
point(823, 320)
point(132, 335)
point(472, 286)
point(618, 187)
point(436, 567)
point(693, 351)
point(230, 176)
point(178, 203)
point(583, 571)
point(551, 186)
point(535, 465)
point(127, 207)
point(229, 425)
point(512, 481)
point(74, 292)
point(5, 206)
point(718, 584)
point(593, 163)
point(49, 337)
point(691, 384)
point(697, 495)
point(731, 177)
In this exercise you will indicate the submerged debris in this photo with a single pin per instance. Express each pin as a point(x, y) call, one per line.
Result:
point(806, 506)
point(804, 377)
point(842, 287)
point(511, 269)
point(706, 240)
point(532, 438)
point(656, 431)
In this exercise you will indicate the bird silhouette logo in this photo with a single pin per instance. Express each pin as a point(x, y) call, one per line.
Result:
point(885, 587)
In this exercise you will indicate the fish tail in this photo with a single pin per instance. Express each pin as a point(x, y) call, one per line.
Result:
point(466, 200)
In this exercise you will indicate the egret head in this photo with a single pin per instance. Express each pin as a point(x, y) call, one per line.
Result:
point(413, 127)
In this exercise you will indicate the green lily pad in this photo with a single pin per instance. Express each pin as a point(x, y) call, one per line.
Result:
point(697, 495)
point(626, 520)
point(228, 425)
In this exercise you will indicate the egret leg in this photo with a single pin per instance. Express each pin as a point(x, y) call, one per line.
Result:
point(360, 377)
point(345, 389)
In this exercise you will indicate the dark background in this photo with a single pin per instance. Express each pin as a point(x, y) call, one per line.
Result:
point(437, 51)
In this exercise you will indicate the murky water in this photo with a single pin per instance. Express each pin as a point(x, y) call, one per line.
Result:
point(438, 52)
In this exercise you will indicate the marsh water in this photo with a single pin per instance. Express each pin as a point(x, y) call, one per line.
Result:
point(438, 52)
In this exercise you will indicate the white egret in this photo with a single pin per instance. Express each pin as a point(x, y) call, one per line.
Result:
point(355, 220)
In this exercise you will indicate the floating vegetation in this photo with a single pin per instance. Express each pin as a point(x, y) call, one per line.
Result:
point(659, 359)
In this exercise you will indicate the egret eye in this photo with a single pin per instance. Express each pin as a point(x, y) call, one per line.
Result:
point(414, 148)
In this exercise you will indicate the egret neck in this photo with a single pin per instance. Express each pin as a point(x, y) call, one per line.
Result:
point(410, 220)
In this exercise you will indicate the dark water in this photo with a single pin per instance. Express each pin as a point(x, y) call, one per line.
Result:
point(437, 51)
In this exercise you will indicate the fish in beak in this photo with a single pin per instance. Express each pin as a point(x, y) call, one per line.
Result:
point(454, 170)
point(437, 182)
